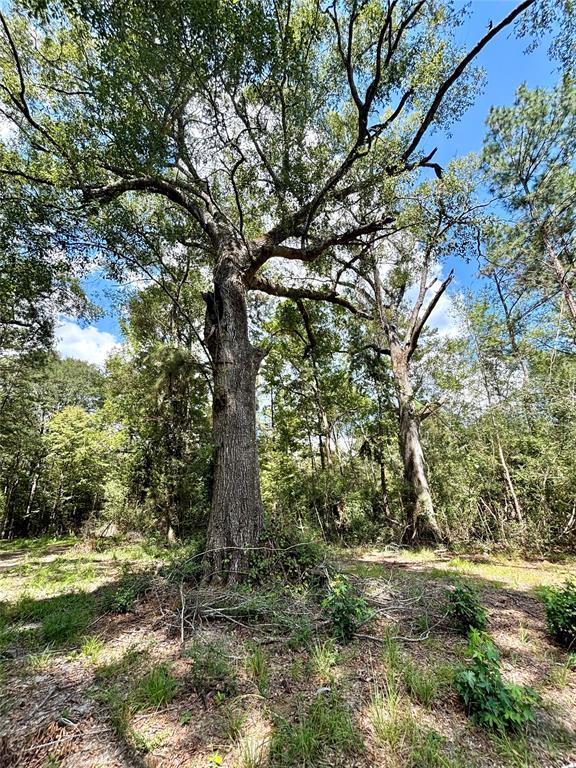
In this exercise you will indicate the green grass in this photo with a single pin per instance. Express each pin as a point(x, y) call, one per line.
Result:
point(427, 751)
point(54, 576)
point(516, 751)
point(560, 673)
point(396, 729)
point(494, 571)
point(258, 667)
point(325, 727)
point(421, 683)
point(157, 688)
point(251, 753)
point(57, 621)
point(39, 546)
point(41, 660)
point(392, 724)
point(53, 602)
point(233, 720)
point(122, 698)
point(323, 659)
point(391, 653)
point(91, 648)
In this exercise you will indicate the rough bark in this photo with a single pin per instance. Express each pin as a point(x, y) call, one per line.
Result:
point(236, 518)
point(421, 524)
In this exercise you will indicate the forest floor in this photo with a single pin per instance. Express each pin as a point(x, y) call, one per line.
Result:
point(191, 678)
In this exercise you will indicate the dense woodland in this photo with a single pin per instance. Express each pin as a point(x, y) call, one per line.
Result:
point(260, 181)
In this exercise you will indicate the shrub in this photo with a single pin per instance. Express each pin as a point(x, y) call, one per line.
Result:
point(187, 565)
point(300, 631)
point(490, 701)
point(561, 613)
point(287, 557)
point(465, 610)
point(344, 608)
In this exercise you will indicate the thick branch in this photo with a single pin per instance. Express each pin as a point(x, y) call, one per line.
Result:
point(426, 314)
point(25, 176)
point(352, 236)
point(108, 192)
point(458, 71)
point(290, 292)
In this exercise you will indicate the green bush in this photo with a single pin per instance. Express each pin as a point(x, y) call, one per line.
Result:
point(286, 556)
point(344, 608)
point(491, 702)
point(561, 613)
point(465, 610)
point(300, 631)
point(187, 563)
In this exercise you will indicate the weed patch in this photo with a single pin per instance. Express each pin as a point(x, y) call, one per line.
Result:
point(493, 703)
point(157, 688)
point(326, 726)
point(212, 671)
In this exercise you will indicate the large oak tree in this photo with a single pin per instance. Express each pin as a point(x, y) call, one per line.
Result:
point(263, 123)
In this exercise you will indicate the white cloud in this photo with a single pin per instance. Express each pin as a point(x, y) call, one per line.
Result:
point(87, 343)
point(444, 318)
point(7, 129)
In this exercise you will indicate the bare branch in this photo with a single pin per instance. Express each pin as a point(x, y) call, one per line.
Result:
point(458, 71)
point(426, 314)
point(349, 237)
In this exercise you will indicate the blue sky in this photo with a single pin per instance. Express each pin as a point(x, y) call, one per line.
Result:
point(506, 66)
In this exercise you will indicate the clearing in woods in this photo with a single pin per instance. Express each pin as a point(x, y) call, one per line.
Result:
point(110, 658)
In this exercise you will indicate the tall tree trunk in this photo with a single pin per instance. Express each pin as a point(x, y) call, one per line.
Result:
point(422, 526)
point(236, 518)
point(383, 486)
point(508, 478)
point(561, 275)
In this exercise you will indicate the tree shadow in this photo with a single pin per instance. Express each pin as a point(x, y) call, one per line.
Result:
point(51, 709)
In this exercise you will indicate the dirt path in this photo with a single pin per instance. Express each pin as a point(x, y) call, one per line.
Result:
point(15, 558)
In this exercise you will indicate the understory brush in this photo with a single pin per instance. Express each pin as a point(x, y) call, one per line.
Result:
point(122, 597)
point(560, 603)
point(493, 703)
point(344, 608)
point(465, 610)
point(286, 556)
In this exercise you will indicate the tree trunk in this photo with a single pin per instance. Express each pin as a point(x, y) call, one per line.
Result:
point(422, 526)
point(561, 275)
point(509, 483)
point(236, 518)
